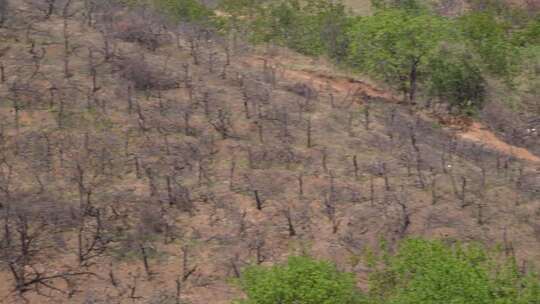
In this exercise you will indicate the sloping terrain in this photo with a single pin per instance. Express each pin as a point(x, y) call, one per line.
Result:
point(146, 163)
point(473, 131)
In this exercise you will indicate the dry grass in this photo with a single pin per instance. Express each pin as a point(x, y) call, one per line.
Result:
point(224, 226)
point(361, 7)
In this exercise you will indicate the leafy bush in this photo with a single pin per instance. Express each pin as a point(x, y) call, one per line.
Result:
point(312, 27)
point(457, 79)
point(419, 51)
point(412, 5)
point(396, 46)
point(185, 10)
point(293, 26)
point(432, 272)
point(420, 272)
point(529, 35)
point(404, 43)
point(488, 37)
point(300, 280)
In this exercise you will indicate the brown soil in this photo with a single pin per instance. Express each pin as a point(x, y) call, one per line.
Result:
point(474, 131)
point(323, 81)
point(479, 133)
point(211, 232)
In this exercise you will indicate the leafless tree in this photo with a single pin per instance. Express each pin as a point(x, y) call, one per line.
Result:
point(93, 236)
point(290, 224)
point(257, 244)
point(4, 12)
point(418, 158)
point(330, 204)
point(68, 48)
point(142, 26)
point(187, 268)
point(367, 117)
point(143, 75)
point(22, 94)
point(309, 130)
point(31, 236)
point(46, 7)
point(222, 122)
point(405, 213)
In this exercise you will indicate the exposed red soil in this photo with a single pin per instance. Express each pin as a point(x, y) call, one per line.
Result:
point(473, 131)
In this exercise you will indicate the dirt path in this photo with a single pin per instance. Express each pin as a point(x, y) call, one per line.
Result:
point(479, 133)
point(475, 132)
point(322, 81)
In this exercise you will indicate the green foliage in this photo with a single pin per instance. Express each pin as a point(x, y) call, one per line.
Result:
point(490, 39)
point(404, 43)
point(311, 27)
point(411, 5)
point(432, 272)
point(457, 79)
point(300, 280)
point(238, 8)
point(419, 50)
point(395, 46)
point(291, 27)
point(494, 6)
point(421, 272)
point(529, 35)
point(503, 10)
point(185, 10)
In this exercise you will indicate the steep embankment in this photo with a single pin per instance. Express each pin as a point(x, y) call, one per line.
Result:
point(145, 167)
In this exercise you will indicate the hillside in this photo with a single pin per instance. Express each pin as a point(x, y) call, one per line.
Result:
point(364, 7)
point(143, 161)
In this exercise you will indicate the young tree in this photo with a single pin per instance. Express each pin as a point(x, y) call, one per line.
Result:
point(3, 12)
point(32, 233)
point(489, 37)
point(456, 79)
point(312, 27)
point(395, 45)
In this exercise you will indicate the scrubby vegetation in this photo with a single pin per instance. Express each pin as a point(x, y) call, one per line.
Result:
point(300, 280)
point(433, 272)
point(404, 43)
point(173, 151)
point(420, 271)
point(185, 10)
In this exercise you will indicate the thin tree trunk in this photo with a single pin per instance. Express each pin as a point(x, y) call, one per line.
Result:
point(413, 80)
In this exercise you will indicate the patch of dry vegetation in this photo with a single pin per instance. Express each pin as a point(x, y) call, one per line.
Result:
point(136, 174)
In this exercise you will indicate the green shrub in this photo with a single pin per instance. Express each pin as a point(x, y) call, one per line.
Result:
point(411, 5)
point(432, 272)
point(301, 280)
point(396, 46)
point(185, 10)
point(457, 79)
point(490, 39)
point(420, 272)
point(311, 27)
point(404, 43)
point(529, 35)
